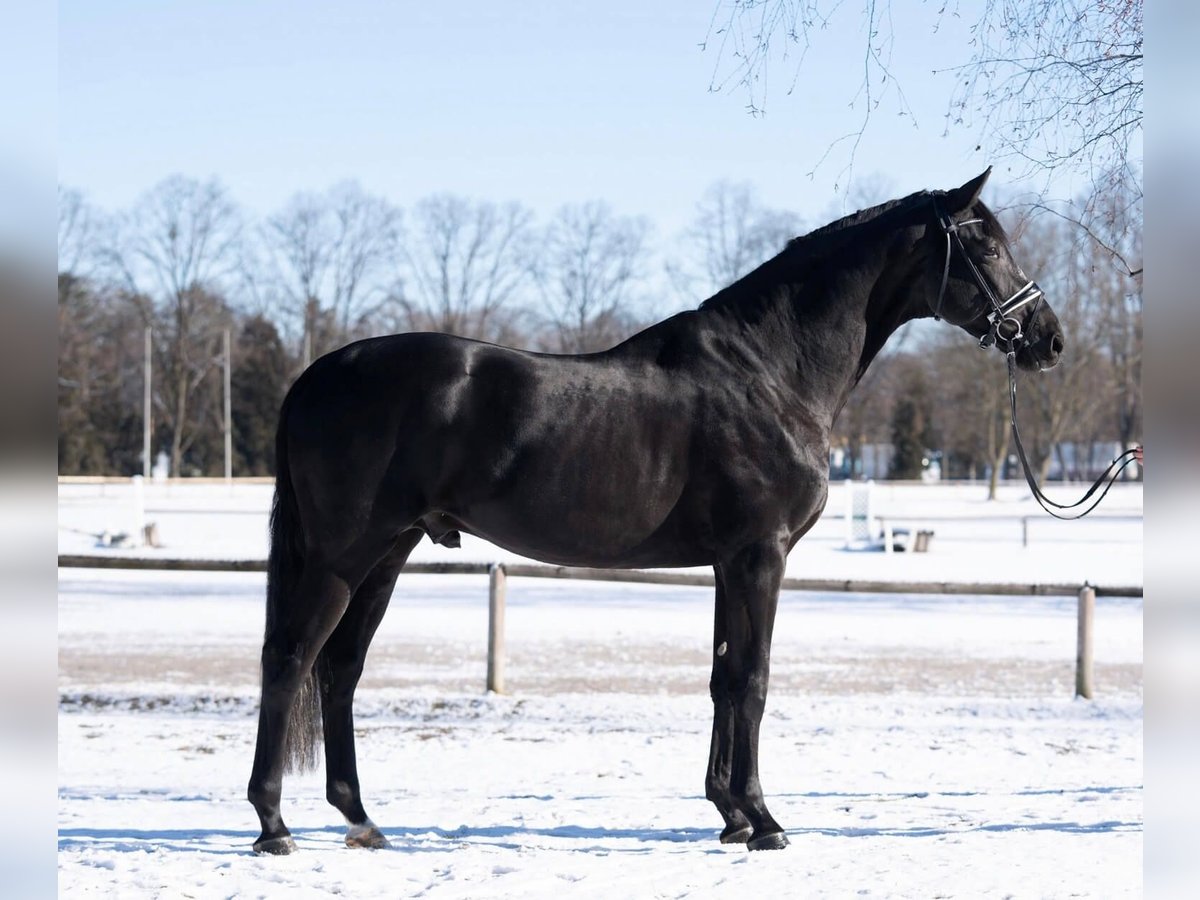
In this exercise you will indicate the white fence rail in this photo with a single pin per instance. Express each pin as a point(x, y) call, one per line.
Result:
point(498, 574)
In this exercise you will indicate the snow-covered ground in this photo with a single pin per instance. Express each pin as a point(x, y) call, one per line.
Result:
point(974, 539)
point(913, 746)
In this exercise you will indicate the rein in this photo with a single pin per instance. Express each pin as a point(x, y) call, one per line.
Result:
point(1080, 507)
point(1004, 328)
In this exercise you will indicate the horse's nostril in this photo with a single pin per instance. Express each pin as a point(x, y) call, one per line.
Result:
point(1056, 344)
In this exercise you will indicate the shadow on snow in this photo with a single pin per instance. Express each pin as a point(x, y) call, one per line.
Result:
point(412, 838)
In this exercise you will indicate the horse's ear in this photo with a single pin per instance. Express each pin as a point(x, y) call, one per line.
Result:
point(960, 198)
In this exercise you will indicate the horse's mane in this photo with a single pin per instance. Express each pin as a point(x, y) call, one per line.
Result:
point(821, 242)
point(839, 227)
point(810, 247)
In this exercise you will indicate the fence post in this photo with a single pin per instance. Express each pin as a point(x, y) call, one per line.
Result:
point(1083, 653)
point(497, 585)
point(1025, 531)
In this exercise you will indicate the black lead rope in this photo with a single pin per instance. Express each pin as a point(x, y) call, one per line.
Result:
point(1107, 478)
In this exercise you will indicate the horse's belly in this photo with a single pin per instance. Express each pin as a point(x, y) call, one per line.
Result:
point(628, 531)
point(598, 484)
point(586, 547)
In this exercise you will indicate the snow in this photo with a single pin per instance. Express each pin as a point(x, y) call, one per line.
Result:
point(974, 540)
point(913, 746)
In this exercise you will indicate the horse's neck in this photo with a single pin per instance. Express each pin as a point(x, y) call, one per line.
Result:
point(890, 304)
point(818, 337)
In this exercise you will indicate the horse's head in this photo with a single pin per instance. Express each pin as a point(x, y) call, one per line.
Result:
point(978, 286)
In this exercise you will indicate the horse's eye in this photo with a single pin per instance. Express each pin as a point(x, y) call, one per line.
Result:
point(991, 251)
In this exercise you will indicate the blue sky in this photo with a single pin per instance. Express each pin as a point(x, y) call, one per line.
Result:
point(537, 101)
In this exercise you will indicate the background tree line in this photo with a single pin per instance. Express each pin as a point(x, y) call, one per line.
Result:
point(188, 263)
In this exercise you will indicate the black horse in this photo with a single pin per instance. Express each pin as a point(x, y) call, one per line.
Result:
point(703, 440)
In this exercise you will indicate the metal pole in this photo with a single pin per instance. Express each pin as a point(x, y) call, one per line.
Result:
point(137, 525)
point(228, 416)
point(497, 579)
point(146, 411)
point(1083, 653)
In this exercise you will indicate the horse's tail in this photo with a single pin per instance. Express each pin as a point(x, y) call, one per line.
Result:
point(284, 566)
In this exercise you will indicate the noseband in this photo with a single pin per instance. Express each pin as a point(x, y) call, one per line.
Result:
point(1003, 326)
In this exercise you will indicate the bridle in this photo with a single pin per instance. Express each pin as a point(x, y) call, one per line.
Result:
point(1005, 330)
point(1003, 327)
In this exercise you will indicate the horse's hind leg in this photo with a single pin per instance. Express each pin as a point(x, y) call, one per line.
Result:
point(341, 664)
point(741, 667)
point(289, 651)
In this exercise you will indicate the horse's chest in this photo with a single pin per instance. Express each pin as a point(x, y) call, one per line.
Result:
point(767, 478)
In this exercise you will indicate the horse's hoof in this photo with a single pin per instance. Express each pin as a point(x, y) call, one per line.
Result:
point(736, 834)
point(775, 841)
point(366, 836)
point(276, 846)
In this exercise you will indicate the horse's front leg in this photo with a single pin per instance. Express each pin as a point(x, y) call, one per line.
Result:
point(747, 597)
point(720, 758)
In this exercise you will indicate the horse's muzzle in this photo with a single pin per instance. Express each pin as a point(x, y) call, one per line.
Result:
point(1042, 351)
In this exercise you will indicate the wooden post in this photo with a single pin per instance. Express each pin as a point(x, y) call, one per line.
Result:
point(228, 417)
point(497, 583)
point(1025, 531)
point(1083, 653)
point(146, 409)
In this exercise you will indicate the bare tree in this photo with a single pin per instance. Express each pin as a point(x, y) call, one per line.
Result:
point(1052, 83)
point(732, 233)
point(588, 273)
point(971, 387)
point(173, 252)
point(1091, 256)
point(1055, 83)
point(99, 384)
point(466, 262)
point(189, 369)
point(79, 230)
point(1064, 403)
point(866, 416)
point(1115, 282)
point(336, 260)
